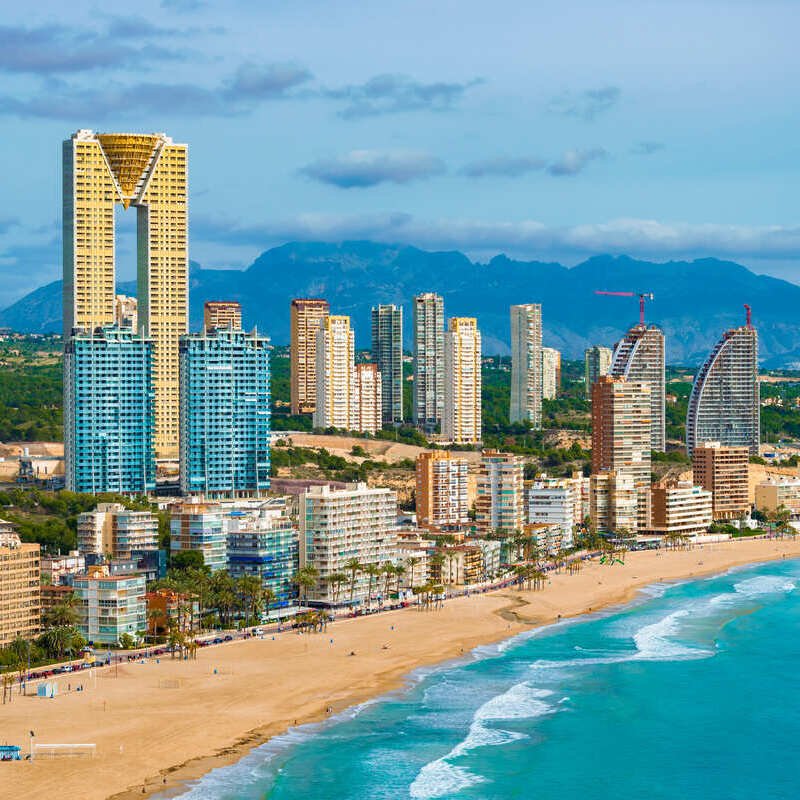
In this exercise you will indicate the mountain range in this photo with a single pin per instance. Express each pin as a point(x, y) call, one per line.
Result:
point(695, 301)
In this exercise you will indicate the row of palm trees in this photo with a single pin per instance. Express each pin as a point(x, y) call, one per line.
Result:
point(387, 574)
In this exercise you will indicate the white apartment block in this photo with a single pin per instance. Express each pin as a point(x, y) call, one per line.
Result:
point(526, 364)
point(337, 525)
point(462, 392)
point(554, 503)
point(680, 507)
point(335, 374)
point(551, 372)
point(367, 401)
point(115, 531)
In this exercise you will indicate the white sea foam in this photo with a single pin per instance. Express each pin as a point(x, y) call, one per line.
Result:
point(441, 777)
point(764, 584)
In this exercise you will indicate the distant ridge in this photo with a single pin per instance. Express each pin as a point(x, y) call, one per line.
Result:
point(694, 301)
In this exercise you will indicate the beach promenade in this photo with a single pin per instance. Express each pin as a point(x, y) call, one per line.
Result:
point(157, 724)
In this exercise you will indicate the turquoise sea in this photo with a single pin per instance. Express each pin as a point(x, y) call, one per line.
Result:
point(691, 692)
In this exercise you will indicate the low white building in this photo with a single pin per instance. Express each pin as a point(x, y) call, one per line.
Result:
point(678, 507)
point(553, 503)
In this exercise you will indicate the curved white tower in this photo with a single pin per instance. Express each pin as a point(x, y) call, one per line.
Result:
point(724, 404)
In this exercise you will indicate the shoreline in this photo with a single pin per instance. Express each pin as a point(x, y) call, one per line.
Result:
point(151, 741)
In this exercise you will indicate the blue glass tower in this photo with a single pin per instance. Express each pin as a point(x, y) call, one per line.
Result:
point(108, 412)
point(224, 413)
point(264, 543)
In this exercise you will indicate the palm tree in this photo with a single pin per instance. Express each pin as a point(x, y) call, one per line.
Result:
point(267, 595)
point(374, 573)
point(251, 591)
point(388, 570)
point(412, 563)
point(335, 581)
point(436, 562)
point(156, 618)
point(399, 571)
point(353, 566)
point(63, 614)
point(304, 579)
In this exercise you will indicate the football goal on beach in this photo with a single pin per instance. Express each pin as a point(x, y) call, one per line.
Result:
point(63, 750)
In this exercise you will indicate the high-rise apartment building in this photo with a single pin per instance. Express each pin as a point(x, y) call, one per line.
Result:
point(597, 362)
point(679, 507)
point(126, 312)
point(335, 369)
point(526, 364)
point(108, 412)
point(148, 171)
point(441, 490)
point(110, 606)
point(723, 471)
point(222, 314)
point(462, 384)
point(225, 413)
point(724, 405)
point(387, 353)
point(621, 436)
point(551, 373)
point(115, 531)
point(337, 525)
point(367, 390)
point(263, 542)
point(639, 357)
point(20, 599)
point(614, 502)
point(500, 502)
point(200, 527)
point(306, 315)
point(428, 361)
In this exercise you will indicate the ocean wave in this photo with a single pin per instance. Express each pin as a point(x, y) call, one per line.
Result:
point(441, 777)
point(764, 584)
point(653, 642)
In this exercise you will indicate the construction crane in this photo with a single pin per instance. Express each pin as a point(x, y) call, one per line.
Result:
point(641, 295)
point(749, 315)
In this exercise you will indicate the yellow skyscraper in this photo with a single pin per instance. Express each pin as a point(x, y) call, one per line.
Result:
point(148, 171)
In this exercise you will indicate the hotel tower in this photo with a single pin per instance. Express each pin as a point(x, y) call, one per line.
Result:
point(149, 172)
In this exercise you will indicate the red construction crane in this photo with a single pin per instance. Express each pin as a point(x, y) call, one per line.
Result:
point(641, 295)
point(749, 315)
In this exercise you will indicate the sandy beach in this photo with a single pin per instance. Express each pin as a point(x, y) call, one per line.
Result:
point(156, 725)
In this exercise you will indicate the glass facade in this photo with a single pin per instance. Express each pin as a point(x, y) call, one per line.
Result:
point(108, 412)
point(224, 413)
point(264, 543)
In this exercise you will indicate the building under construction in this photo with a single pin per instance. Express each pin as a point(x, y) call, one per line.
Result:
point(639, 358)
point(724, 403)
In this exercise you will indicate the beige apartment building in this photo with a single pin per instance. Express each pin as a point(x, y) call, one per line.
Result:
point(500, 502)
point(776, 492)
point(20, 598)
point(461, 423)
point(222, 314)
point(441, 490)
point(335, 374)
point(306, 314)
point(723, 471)
point(621, 438)
point(613, 502)
point(149, 172)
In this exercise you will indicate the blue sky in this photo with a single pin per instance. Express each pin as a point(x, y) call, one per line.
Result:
point(547, 130)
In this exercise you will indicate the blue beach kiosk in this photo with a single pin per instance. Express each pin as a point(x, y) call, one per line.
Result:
point(10, 752)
